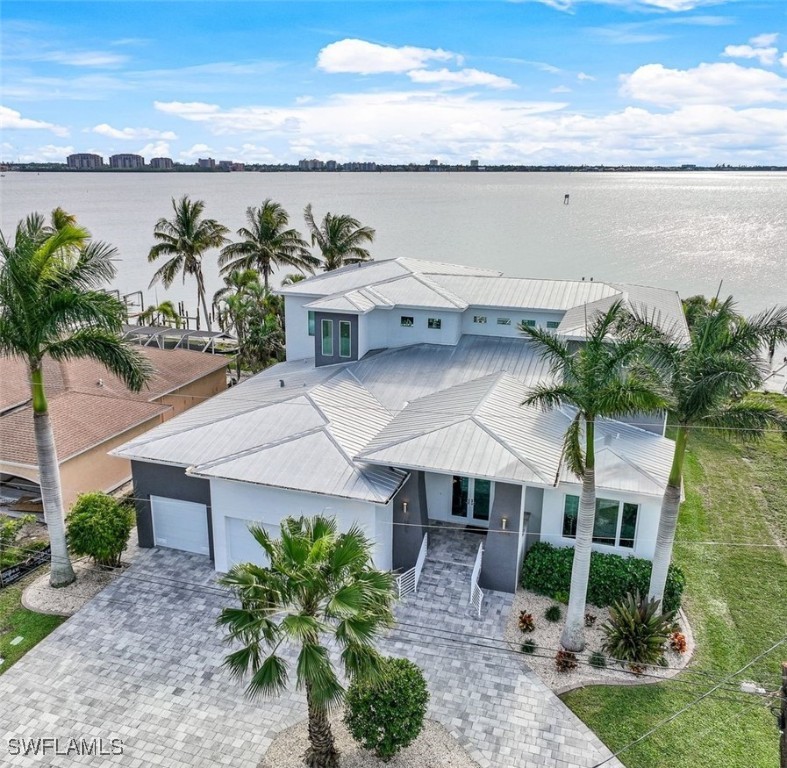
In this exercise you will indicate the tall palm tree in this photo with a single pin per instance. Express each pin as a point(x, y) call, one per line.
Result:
point(51, 306)
point(267, 243)
point(319, 585)
point(185, 239)
point(708, 379)
point(600, 378)
point(339, 238)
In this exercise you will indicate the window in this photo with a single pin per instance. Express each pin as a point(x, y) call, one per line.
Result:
point(615, 525)
point(552, 324)
point(406, 322)
point(345, 338)
point(529, 323)
point(504, 321)
point(327, 338)
point(435, 323)
point(480, 319)
point(311, 323)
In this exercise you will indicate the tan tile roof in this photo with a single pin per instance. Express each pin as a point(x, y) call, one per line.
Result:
point(85, 412)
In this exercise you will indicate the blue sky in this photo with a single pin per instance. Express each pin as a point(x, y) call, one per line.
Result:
point(536, 81)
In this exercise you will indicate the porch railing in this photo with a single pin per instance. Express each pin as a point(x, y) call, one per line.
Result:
point(408, 581)
point(476, 593)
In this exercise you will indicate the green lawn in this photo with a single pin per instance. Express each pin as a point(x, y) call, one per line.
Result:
point(736, 599)
point(16, 621)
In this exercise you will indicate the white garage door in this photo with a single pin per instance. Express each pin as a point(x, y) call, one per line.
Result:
point(180, 525)
point(242, 547)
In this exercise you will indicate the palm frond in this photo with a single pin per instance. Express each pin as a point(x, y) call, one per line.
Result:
point(573, 454)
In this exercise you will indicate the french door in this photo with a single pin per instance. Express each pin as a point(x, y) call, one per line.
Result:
point(472, 499)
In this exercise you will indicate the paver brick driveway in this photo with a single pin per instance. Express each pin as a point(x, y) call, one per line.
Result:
point(142, 663)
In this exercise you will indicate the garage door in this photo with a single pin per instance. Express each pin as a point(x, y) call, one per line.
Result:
point(180, 525)
point(242, 547)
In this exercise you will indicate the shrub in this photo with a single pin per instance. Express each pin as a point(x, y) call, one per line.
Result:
point(526, 622)
point(99, 527)
point(590, 619)
point(597, 660)
point(387, 715)
point(636, 632)
point(528, 647)
point(10, 528)
point(547, 570)
point(565, 661)
point(561, 597)
point(553, 613)
point(677, 642)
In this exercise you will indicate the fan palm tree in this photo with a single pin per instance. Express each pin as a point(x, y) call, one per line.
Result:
point(708, 379)
point(185, 239)
point(601, 378)
point(51, 306)
point(267, 243)
point(319, 585)
point(339, 238)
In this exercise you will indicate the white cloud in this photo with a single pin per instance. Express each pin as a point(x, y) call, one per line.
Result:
point(461, 78)
point(48, 153)
point(132, 133)
point(560, 89)
point(783, 60)
point(583, 76)
point(10, 119)
point(722, 83)
point(85, 58)
point(664, 5)
point(764, 40)
point(196, 151)
point(766, 56)
point(155, 149)
point(363, 58)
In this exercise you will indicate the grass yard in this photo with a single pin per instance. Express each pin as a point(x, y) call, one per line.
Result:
point(16, 621)
point(736, 599)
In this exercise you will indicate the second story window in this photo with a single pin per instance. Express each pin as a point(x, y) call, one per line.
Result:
point(326, 334)
point(311, 323)
point(553, 324)
point(435, 323)
point(406, 321)
point(529, 323)
point(504, 321)
point(345, 339)
point(479, 319)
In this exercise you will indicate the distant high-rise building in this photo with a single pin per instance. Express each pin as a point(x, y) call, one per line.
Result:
point(206, 162)
point(162, 163)
point(434, 163)
point(474, 163)
point(126, 161)
point(84, 161)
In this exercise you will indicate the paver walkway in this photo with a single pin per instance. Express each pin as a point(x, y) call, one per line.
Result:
point(142, 663)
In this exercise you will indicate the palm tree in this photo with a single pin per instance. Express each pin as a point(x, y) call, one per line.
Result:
point(267, 243)
point(185, 239)
point(162, 313)
point(602, 378)
point(319, 585)
point(292, 279)
point(708, 379)
point(51, 306)
point(339, 238)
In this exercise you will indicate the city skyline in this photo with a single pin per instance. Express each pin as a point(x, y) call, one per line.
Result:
point(546, 82)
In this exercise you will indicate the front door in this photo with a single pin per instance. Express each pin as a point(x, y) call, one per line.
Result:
point(472, 500)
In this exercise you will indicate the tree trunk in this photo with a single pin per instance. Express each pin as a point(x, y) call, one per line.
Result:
point(61, 573)
point(322, 752)
point(201, 298)
point(668, 520)
point(573, 636)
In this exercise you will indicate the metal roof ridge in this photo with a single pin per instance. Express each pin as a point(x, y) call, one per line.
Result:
point(502, 441)
point(433, 285)
point(628, 461)
point(365, 453)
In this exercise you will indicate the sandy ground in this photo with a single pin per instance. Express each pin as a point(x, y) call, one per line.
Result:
point(434, 748)
point(546, 636)
point(91, 579)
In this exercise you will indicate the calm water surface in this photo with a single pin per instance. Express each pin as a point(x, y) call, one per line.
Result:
point(684, 231)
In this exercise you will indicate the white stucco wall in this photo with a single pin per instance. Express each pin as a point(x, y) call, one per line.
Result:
point(296, 318)
point(491, 327)
point(382, 328)
point(647, 520)
point(268, 506)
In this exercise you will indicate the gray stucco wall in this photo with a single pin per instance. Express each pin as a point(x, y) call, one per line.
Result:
point(319, 358)
point(170, 483)
point(534, 503)
point(408, 531)
point(499, 564)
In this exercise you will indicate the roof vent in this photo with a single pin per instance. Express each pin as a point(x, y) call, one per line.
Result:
point(100, 383)
point(281, 382)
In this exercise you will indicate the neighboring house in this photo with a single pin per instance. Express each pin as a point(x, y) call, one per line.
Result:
point(92, 412)
point(399, 407)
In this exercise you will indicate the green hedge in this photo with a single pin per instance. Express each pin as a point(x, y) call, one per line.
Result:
point(547, 570)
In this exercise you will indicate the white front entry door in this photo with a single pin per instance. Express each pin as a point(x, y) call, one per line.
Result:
point(180, 525)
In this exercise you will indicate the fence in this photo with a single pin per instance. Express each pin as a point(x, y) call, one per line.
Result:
point(408, 581)
point(13, 573)
point(476, 593)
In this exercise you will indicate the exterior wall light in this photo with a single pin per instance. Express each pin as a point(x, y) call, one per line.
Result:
point(504, 523)
point(405, 508)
